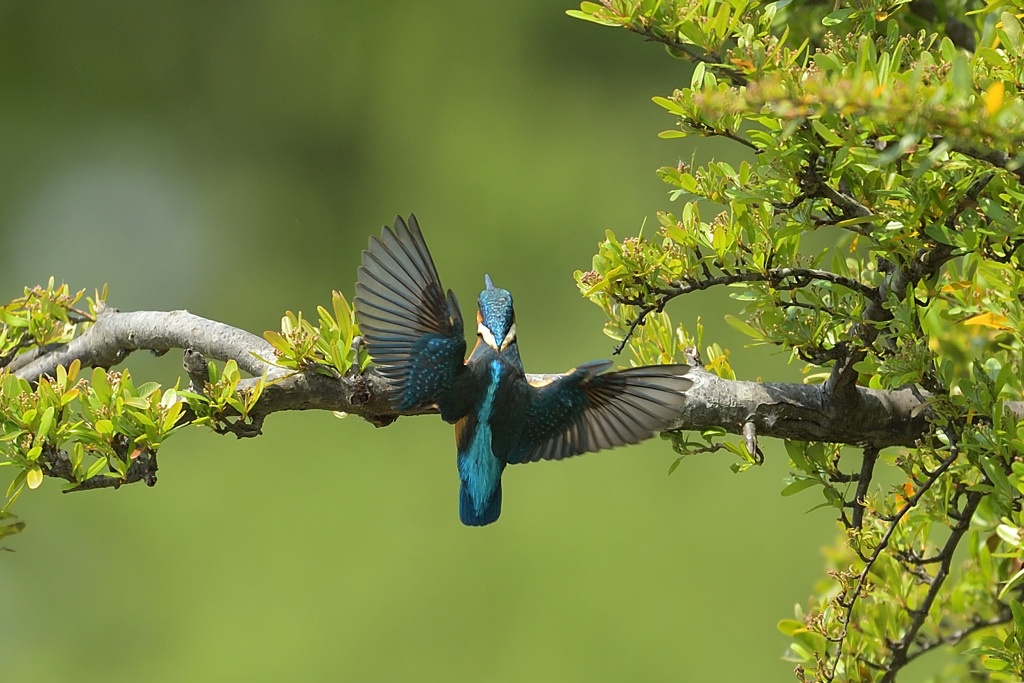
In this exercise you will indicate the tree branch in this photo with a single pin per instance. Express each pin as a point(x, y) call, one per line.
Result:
point(867, 417)
point(1004, 616)
point(114, 335)
point(988, 155)
point(899, 656)
point(870, 563)
point(782, 279)
point(863, 482)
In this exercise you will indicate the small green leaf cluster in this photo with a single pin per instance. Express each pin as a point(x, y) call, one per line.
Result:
point(121, 421)
point(43, 315)
point(104, 431)
point(220, 404)
point(711, 440)
point(690, 30)
point(816, 464)
point(87, 432)
point(328, 348)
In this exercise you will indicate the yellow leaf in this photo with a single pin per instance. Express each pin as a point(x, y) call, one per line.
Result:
point(715, 363)
point(34, 477)
point(994, 97)
point(953, 286)
point(993, 320)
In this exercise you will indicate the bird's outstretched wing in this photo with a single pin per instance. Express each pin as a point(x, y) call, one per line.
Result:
point(413, 331)
point(583, 410)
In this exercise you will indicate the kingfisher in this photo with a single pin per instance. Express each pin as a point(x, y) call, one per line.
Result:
point(414, 333)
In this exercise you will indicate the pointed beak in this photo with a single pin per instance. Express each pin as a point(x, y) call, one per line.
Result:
point(487, 281)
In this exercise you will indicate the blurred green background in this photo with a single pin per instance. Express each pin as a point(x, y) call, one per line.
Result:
point(232, 158)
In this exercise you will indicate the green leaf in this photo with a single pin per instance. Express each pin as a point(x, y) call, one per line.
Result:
point(171, 416)
point(15, 488)
point(994, 663)
point(744, 327)
point(77, 452)
point(45, 423)
point(147, 389)
point(790, 627)
point(577, 14)
point(143, 418)
point(95, 468)
point(1018, 615)
point(10, 525)
point(799, 485)
point(603, 282)
point(1010, 534)
point(671, 105)
point(827, 133)
point(712, 433)
point(100, 385)
point(278, 342)
point(1011, 584)
point(796, 451)
point(34, 477)
point(697, 77)
point(1012, 33)
point(837, 17)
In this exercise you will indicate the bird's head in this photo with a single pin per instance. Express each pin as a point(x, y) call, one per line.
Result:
point(496, 319)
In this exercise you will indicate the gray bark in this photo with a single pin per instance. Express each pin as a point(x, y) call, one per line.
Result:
point(864, 417)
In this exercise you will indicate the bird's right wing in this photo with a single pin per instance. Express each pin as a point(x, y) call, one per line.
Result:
point(413, 331)
point(584, 411)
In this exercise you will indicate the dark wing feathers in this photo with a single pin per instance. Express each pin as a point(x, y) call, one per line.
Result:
point(412, 329)
point(584, 411)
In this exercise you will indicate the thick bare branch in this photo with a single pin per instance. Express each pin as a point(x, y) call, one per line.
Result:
point(865, 417)
point(116, 334)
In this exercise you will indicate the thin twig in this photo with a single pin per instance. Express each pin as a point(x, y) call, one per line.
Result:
point(866, 469)
point(900, 657)
point(1004, 617)
point(882, 545)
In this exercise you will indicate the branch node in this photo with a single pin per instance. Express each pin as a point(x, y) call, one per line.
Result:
point(194, 363)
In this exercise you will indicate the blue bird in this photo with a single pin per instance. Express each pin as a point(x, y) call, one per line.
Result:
point(414, 333)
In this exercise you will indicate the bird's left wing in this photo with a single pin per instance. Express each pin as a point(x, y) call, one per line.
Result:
point(413, 331)
point(584, 410)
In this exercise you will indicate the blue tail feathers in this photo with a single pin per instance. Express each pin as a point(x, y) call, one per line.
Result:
point(468, 513)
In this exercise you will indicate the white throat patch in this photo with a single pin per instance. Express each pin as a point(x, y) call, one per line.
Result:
point(488, 337)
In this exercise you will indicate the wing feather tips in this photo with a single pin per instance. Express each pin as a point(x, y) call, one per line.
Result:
point(412, 330)
point(612, 409)
point(411, 238)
